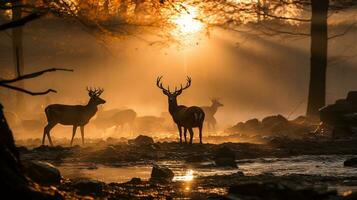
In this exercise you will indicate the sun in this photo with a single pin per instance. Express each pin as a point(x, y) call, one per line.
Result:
point(186, 22)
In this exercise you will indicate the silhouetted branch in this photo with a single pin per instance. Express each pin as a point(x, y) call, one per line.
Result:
point(27, 91)
point(284, 18)
point(4, 83)
point(276, 32)
point(344, 32)
point(33, 75)
point(22, 21)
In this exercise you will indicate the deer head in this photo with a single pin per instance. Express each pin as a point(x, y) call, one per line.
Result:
point(216, 103)
point(94, 96)
point(172, 95)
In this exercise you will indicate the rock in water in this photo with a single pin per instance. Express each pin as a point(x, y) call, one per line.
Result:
point(142, 140)
point(225, 157)
point(352, 162)
point(88, 186)
point(161, 174)
point(42, 172)
point(135, 180)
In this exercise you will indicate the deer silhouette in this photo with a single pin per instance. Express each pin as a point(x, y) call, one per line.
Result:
point(117, 118)
point(75, 115)
point(210, 111)
point(183, 116)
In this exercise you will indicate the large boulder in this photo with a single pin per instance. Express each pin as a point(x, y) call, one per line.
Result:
point(88, 186)
point(225, 157)
point(352, 162)
point(342, 132)
point(341, 113)
point(271, 122)
point(142, 140)
point(352, 96)
point(252, 125)
point(161, 174)
point(14, 184)
point(42, 172)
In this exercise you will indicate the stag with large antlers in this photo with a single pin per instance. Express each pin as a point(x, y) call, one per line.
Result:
point(75, 115)
point(185, 117)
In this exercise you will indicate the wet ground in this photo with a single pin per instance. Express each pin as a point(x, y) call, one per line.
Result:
point(309, 163)
point(320, 165)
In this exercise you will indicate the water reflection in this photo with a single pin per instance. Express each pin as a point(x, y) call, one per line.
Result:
point(187, 177)
point(331, 165)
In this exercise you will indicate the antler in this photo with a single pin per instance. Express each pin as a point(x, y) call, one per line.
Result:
point(188, 84)
point(95, 92)
point(159, 84)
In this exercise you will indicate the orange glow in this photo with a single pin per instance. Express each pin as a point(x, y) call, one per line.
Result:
point(186, 22)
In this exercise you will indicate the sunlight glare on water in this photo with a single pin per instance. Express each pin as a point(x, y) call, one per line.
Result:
point(187, 177)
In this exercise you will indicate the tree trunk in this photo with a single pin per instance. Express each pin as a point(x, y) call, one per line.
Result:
point(318, 64)
point(18, 51)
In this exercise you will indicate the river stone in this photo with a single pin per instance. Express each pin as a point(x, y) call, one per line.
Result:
point(88, 186)
point(161, 174)
point(135, 180)
point(352, 162)
point(42, 172)
point(225, 157)
point(142, 140)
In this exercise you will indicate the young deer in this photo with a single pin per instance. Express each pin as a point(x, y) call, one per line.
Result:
point(186, 117)
point(75, 115)
point(210, 111)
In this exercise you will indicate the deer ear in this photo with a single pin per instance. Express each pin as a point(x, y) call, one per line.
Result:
point(165, 93)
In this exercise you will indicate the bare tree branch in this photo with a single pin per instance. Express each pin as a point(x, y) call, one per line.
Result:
point(344, 32)
point(284, 18)
point(27, 91)
point(33, 75)
point(22, 21)
point(272, 30)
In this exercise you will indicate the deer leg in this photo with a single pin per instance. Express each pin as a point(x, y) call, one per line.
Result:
point(180, 131)
point(191, 134)
point(73, 133)
point(82, 133)
point(46, 131)
point(184, 134)
point(200, 132)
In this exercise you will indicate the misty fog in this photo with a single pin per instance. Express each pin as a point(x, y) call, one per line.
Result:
point(252, 76)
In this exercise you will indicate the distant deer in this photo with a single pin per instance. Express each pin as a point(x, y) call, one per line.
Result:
point(115, 118)
point(123, 117)
point(75, 115)
point(149, 124)
point(186, 117)
point(210, 111)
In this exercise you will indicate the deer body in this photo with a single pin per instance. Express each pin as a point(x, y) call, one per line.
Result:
point(210, 111)
point(184, 117)
point(115, 117)
point(75, 115)
point(125, 117)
